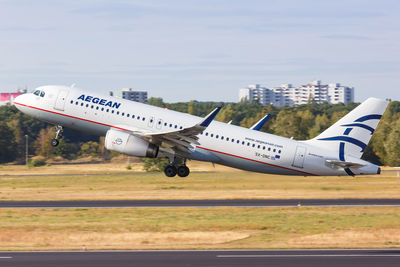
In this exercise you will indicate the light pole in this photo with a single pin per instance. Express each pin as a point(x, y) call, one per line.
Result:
point(26, 150)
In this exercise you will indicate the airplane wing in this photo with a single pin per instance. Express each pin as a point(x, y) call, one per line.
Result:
point(345, 164)
point(179, 140)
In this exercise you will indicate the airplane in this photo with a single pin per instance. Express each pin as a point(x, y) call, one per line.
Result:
point(142, 130)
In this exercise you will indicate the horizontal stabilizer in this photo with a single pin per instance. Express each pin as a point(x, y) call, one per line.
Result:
point(260, 123)
point(345, 164)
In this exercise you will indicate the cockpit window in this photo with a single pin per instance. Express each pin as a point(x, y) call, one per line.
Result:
point(36, 92)
point(42, 94)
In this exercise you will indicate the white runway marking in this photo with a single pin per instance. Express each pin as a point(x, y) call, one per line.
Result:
point(305, 255)
point(6, 257)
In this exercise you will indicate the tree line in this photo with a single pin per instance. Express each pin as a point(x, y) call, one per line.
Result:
point(301, 122)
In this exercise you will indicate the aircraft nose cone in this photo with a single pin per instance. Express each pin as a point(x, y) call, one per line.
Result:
point(19, 101)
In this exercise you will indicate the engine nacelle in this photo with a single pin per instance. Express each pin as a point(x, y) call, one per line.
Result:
point(128, 144)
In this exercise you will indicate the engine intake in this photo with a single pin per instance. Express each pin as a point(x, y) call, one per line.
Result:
point(128, 144)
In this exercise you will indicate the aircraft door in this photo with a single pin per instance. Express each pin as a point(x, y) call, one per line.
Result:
point(60, 102)
point(299, 157)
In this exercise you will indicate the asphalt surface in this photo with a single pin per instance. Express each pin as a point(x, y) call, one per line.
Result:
point(201, 203)
point(326, 258)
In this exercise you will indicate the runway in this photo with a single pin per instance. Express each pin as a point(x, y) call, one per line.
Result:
point(201, 203)
point(284, 258)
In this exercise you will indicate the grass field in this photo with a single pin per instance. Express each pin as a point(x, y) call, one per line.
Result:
point(192, 228)
point(22, 183)
point(199, 228)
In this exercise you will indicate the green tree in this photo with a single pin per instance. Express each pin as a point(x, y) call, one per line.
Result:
point(154, 165)
point(192, 107)
point(90, 149)
point(7, 144)
point(156, 101)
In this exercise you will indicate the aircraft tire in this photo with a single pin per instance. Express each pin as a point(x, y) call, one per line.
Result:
point(54, 142)
point(183, 171)
point(170, 171)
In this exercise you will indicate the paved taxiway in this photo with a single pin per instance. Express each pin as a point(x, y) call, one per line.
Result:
point(327, 258)
point(200, 203)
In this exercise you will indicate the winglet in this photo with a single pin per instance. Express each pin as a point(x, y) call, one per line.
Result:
point(210, 117)
point(260, 123)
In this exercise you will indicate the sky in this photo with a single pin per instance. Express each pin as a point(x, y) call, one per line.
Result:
point(200, 50)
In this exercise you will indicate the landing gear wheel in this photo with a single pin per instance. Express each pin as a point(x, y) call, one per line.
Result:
point(170, 171)
point(54, 142)
point(183, 171)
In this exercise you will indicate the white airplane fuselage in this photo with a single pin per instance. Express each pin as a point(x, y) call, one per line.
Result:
point(220, 143)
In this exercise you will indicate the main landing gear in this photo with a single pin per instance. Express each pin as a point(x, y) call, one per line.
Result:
point(59, 131)
point(177, 167)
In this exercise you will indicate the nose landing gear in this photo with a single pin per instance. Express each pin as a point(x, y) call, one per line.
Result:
point(59, 130)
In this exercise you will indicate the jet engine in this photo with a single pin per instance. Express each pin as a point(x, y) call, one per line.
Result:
point(129, 144)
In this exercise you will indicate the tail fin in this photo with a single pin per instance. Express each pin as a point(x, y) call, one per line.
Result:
point(351, 134)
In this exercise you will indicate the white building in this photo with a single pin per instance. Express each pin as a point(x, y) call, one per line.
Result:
point(287, 95)
point(138, 96)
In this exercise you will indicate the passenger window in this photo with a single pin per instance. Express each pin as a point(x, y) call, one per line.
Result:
point(102, 109)
point(165, 124)
point(212, 135)
point(206, 134)
point(181, 127)
point(112, 111)
point(127, 115)
point(274, 150)
point(133, 116)
point(253, 145)
point(143, 118)
point(238, 141)
point(217, 136)
point(92, 107)
point(81, 104)
point(122, 114)
point(279, 152)
point(248, 144)
point(97, 108)
point(71, 102)
point(242, 142)
point(87, 105)
point(176, 126)
point(263, 147)
point(108, 110)
point(117, 112)
point(269, 149)
point(222, 138)
point(76, 103)
point(138, 117)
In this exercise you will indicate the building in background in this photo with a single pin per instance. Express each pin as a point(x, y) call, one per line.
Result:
point(8, 98)
point(138, 96)
point(288, 95)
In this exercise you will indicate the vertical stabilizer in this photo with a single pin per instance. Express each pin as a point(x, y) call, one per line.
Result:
point(351, 134)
